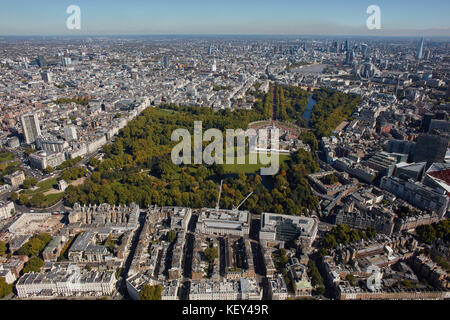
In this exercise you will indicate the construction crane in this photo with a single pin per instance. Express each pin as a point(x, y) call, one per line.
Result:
point(242, 202)
point(220, 191)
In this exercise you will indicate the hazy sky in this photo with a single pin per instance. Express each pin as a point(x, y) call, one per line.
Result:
point(334, 17)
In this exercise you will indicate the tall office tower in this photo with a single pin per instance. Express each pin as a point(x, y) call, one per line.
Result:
point(347, 46)
point(420, 50)
point(431, 148)
point(209, 50)
point(71, 133)
point(427, 54)
point(364, 49)
point(166, 62)
point(47, 77)
point(335, 47)
point(30, 126)
point(41, 61)
point(66, 61)
point(214, 66)
point(350, 57)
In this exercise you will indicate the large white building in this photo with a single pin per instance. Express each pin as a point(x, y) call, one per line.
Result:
point(70, 133)
point(242, 289)
point(180, 218)
point(224, 222)
point(65, 280)
point(43, 159)
point(278, 228)
point(51, 145)
point(5, 209)
point(417, 194)
point(30, 126)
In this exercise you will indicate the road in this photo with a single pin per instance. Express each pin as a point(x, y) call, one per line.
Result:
point(258, 258)
point(121, 286)
point(187, 257)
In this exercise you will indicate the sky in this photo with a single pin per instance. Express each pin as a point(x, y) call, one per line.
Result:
point(268, 17)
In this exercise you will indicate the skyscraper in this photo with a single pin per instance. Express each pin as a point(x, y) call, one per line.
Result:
point(350, 57)
point(364, 49)
point(335, 47)
point(41, 61)
point(66, 61)
point(166, 62)
point(420, 50)
point(30, 125)
point(214, 66)
point(47, 77)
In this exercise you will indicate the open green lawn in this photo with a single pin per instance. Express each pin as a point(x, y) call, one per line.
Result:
point(6, 156)
point(43, 186)
point(52, 199)
point(161, 111)
point(249, 168)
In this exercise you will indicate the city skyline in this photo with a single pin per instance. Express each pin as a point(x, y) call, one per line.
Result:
point(224, 152)
point(403, 18)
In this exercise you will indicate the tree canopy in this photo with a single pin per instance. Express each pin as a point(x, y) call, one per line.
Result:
point(33, 265)
point(5, 288)
point(2, 248)
point(137, 168)
point(149, 292)
point(430, 233)
point(35, 245)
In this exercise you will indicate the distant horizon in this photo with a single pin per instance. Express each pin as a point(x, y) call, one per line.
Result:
point(224, 35)
point(400, 18)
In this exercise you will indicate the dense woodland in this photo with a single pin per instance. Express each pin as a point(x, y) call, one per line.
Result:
point(137, 167)
point(331, 109)
point(290, 103)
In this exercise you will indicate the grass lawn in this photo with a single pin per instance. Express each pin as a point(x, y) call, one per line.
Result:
point(52, 199)
point(6, 156)
point(162, 111)
point(43, 186)
point(247, 167)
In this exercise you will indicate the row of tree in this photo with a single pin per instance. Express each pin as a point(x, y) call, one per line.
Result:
point(290, 103)
point(33, 249)
point(343, 234)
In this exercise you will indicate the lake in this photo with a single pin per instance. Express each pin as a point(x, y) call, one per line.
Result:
point(307, 114)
